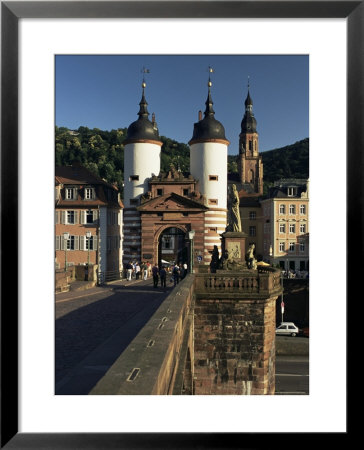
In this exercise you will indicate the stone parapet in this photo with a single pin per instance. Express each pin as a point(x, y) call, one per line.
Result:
point(263, 282)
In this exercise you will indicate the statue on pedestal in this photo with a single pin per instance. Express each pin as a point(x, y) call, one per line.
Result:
point(234, 219)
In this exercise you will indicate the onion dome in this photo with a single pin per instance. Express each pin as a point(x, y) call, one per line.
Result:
point(249, 123)
point(208, 128)
point(142, 129)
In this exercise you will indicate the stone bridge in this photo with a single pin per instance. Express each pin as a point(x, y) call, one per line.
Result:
point(214, 334)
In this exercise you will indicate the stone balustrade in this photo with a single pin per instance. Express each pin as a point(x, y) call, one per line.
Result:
point(263, 281)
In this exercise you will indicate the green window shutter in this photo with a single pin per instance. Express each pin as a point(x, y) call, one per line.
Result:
point(95, 215)
point(82, 243)
point(94, 242)
point(76, 242)
point(62, 242)
point(56, 217)
point(63, 217)
point(76, 216)
point(57, 242)
point(83, 217)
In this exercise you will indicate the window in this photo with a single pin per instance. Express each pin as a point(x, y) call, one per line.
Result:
point(252, 215)
point(185, 191)
point(89, 216)
point(159, 191)
point(71, 193)
point(282, 227)
point(292, 209)
point(250, 145)
point(281, 247)
point(292, 191)
point(185, 214)
point(292, 247)
point(134, 178)
point(213, 230)
point(213, 201)
point(70, 217)
point(213, 177)
point(302, 228)
point(71, 243)
point(89, 193)
point(303, 209)
point(292, 228)
point(302, 246)
point(92, 241)
point(252, 231)
point(282, 209)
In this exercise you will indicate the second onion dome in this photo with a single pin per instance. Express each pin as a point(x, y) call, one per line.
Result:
point(142, 129)
point(208, 128)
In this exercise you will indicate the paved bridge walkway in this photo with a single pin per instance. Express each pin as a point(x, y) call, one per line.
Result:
point(94, 327)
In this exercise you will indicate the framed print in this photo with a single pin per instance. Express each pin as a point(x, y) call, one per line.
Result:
point(17, 148)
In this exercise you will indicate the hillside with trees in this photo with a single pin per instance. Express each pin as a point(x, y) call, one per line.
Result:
point(102, 152)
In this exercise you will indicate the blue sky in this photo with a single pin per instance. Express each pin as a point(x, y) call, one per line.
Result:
point(103, 91)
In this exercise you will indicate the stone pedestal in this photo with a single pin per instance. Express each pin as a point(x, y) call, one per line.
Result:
point(233, 246)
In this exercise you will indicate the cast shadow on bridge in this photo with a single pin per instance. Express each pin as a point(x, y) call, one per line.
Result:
point(89, 339)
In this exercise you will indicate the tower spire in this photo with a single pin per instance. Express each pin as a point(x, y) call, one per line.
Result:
point(143, 110)
point(209, 111)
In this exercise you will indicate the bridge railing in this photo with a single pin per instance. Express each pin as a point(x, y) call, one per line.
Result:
point(156, 357)
point(262, 281)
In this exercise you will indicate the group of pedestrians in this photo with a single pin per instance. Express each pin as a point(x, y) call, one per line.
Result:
point(137, 271)
point(176, 272)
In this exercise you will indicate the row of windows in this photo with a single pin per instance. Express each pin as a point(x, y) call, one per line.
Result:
point(292, 228)
point(71, 193)
point(84, 244)
point(292, 209)
point(291, 247)
point(72, 217)
point(76, 243)
point(136, 178)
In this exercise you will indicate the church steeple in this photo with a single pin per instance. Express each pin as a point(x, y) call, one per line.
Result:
point(250, 162)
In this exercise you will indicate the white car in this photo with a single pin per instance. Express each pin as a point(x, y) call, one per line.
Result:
point(287, 329)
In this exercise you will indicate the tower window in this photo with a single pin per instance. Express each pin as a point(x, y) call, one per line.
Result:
point(134, 178)
point(159, 191)
point(213, 177)
point(250, 145)
point(185, 191)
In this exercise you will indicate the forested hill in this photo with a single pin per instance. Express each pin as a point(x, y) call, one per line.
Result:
point(291, 161)
point(102, 152)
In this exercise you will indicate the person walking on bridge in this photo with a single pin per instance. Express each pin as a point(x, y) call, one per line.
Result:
point(155, 273)
point(175, 274)
point(163, 276)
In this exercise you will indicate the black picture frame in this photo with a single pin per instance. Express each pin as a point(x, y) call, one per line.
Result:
point(11, 12)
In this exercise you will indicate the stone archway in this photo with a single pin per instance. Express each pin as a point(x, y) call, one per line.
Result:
point(170, 245)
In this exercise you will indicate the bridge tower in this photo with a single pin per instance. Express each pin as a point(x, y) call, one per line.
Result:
point(141, 161)
point(208, 165)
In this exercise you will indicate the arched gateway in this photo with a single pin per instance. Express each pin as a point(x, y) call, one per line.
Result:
point(173, 246)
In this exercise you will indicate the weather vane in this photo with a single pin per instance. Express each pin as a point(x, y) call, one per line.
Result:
point(144, 71)
point(248, 82)
point(211, 70)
